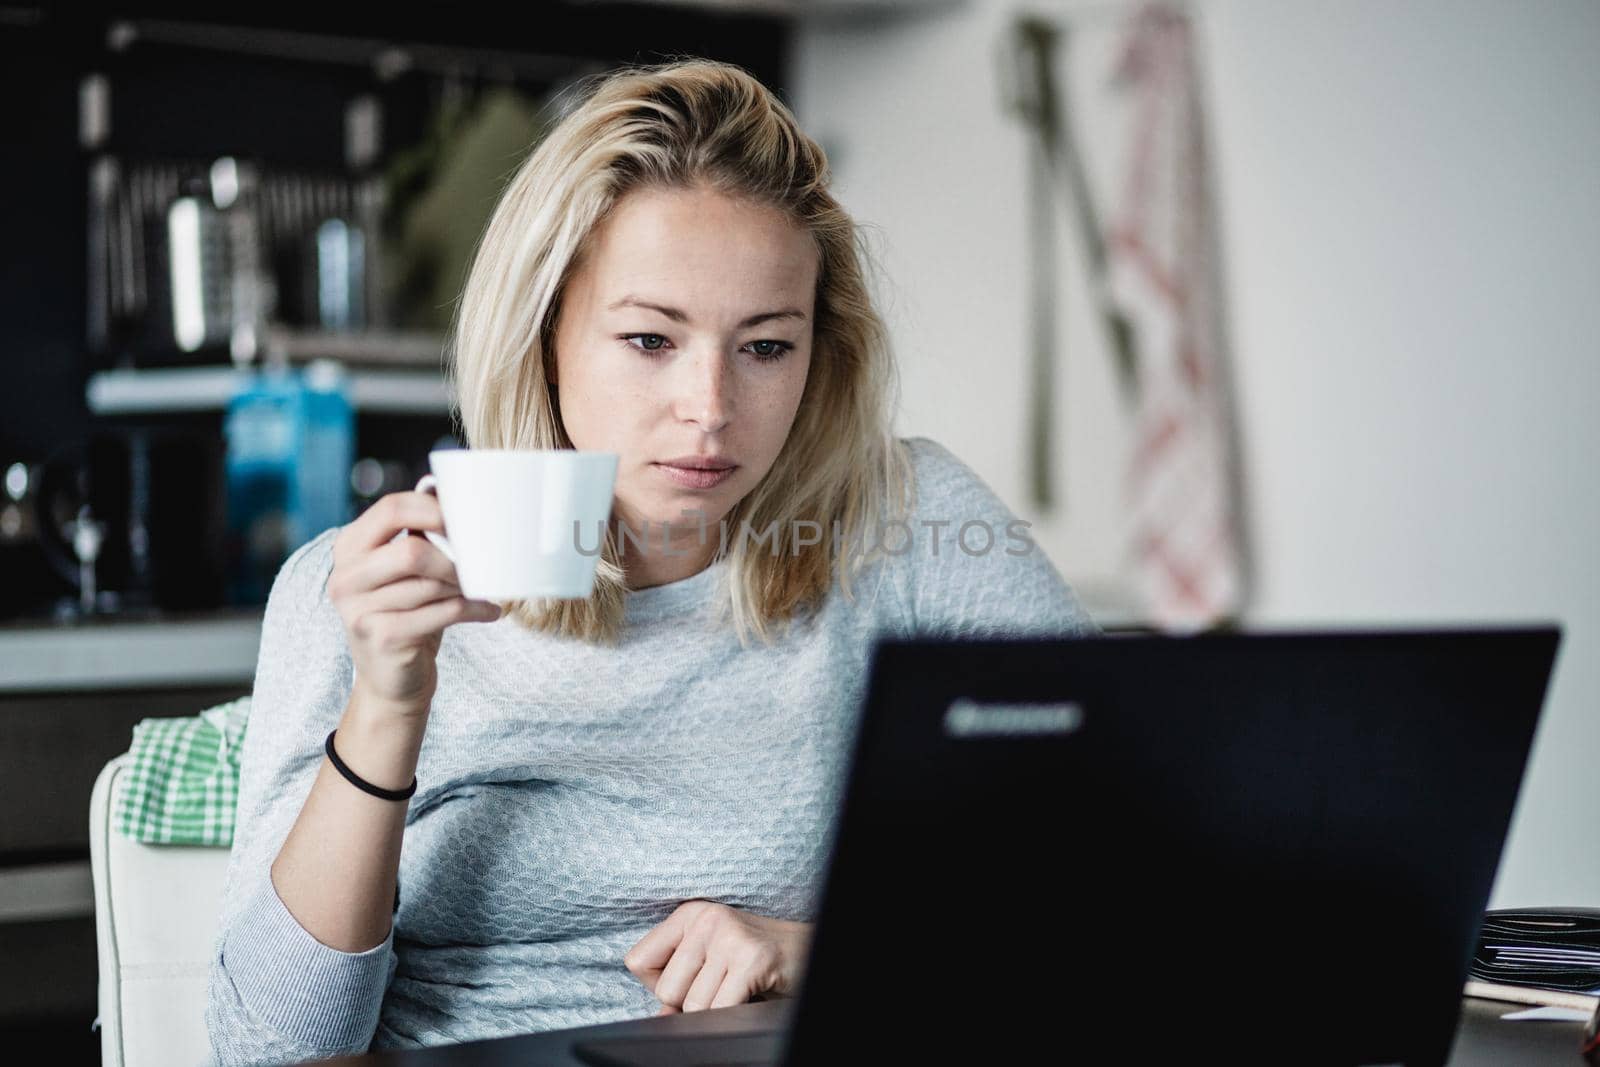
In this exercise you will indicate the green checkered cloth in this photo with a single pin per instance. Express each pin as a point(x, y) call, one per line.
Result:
point(182, 782)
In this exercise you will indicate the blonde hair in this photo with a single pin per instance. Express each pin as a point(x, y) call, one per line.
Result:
point(680, 125)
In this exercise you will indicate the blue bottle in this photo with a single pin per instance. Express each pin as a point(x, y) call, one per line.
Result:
point(290, 444)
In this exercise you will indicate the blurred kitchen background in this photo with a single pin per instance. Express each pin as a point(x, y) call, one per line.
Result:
point(1263, 312)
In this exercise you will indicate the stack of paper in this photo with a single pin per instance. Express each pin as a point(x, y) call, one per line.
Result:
point(1539, 956)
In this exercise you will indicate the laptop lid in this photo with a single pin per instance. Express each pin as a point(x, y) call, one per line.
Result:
point(1277, 846)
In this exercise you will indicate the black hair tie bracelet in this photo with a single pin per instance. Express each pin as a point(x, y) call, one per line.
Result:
point(365, 786)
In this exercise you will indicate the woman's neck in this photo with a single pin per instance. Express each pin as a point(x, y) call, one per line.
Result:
point(660, 564)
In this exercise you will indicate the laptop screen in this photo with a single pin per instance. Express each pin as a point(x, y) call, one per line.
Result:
point(1282, 842)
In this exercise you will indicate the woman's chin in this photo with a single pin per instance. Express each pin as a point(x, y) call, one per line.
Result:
point(685, 516)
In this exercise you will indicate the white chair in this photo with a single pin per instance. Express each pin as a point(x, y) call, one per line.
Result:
point(156, 910)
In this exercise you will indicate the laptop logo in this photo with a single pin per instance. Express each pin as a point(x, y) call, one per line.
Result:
point(969, 718)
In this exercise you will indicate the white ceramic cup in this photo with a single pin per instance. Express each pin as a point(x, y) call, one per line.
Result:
point(509, 518)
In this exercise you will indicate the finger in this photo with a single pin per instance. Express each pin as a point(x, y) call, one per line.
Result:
point(403, 595)
point(705, 986)
point(405, 558)
point(734, 990)
point(377, 615)
point(403, 627)
point(655, 948)
point(667, 1009)
point(680, 972)
point(392, 513)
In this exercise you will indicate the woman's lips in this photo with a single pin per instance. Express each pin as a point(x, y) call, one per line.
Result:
point(694, 478)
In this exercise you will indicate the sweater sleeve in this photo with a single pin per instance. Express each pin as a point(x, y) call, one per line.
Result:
point(275, 994)
point(974, 568)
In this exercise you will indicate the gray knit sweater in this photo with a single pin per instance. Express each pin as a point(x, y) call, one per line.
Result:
point(572, 795)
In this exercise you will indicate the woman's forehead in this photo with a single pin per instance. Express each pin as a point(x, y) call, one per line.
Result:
point(700, 253)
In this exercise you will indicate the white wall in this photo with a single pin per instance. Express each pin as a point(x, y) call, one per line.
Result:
point(1408, 195)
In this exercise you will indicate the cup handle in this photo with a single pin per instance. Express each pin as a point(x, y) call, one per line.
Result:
point(430, 484)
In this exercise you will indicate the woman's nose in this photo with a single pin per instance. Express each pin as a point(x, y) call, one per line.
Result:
point(705, 394)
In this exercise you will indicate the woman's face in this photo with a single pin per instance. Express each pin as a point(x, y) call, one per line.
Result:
point(685, 331)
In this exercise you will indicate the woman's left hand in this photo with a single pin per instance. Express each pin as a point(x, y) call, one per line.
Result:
point(709, 955)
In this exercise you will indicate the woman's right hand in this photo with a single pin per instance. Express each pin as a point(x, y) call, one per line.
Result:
point(396, 597)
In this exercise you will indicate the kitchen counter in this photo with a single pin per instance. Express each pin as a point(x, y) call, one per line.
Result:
point(70, 695)
point(157, 651)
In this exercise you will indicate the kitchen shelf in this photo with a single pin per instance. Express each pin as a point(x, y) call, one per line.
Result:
point(164, 390)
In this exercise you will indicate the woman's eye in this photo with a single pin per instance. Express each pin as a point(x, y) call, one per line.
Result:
point(651, 341)
point(775, 349)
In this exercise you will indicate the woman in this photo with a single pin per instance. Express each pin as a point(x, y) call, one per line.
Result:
point(621, 805)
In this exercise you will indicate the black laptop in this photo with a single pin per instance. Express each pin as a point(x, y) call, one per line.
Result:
point(1272, 847)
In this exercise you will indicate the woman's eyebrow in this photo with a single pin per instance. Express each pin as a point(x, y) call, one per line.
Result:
point(678, 316)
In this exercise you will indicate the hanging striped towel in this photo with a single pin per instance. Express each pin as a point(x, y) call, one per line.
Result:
point(182, 783)
point(1184, 481)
